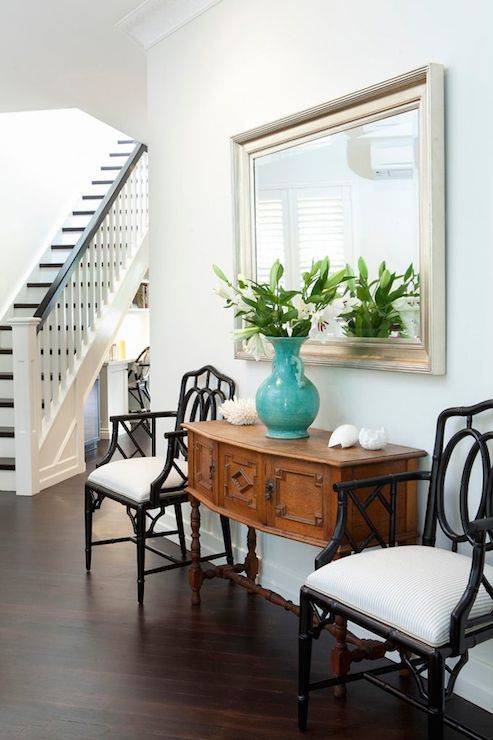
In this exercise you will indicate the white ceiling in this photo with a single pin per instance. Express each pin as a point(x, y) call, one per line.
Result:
point(70, 53)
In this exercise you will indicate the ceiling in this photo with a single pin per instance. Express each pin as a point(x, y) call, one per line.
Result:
point(69, 53)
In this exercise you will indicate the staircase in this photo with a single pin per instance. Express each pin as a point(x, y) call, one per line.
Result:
point(55, 335)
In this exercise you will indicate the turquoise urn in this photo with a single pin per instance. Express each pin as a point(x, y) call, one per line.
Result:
point(287, 401)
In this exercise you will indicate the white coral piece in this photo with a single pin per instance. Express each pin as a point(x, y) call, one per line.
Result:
point(373, 439)
point(345, 435)
point(240, 411)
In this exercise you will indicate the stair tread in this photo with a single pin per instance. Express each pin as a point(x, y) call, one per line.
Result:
point(5, 351)
point(110, 167)
point(83, 213)
point(26, 305)
point(62, 246)
point(56, 265)
point(38, 285)
point(7, 432)
point(73, 228)
point(6, 403)
point(102, 182)
point(92, 197)
point(5, 328)
point(126, 141)
point(120, 154)
point(7, 463)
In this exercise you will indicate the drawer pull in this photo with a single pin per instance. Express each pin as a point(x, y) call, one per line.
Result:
point(269, 489)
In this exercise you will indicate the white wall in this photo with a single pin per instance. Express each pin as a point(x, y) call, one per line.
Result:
point(47, 159)
point(243, 64)
point(134, 331)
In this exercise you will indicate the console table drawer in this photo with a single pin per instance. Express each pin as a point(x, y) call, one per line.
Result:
point(300, 497)
point(241, 482)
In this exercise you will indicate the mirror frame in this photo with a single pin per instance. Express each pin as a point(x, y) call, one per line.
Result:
point(421, 89)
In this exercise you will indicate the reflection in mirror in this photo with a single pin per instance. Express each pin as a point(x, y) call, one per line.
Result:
point(352, 195)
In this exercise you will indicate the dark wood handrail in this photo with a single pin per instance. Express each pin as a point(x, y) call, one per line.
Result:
point(85, 238)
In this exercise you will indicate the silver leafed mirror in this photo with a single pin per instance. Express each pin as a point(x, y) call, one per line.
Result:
point(360, 180)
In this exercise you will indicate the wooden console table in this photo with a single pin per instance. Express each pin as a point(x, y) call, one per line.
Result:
point(284, 488)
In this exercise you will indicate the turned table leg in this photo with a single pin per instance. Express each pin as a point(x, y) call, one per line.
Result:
point(340, 657)
point(195, 574)
point(251, 560)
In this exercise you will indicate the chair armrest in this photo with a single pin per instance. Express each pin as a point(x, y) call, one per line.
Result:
point(382, 480)
point(481, 525)
point(344, 491)
point(178, 434)
point(144, 415)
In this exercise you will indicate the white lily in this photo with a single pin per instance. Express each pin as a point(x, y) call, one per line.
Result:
point(226, 292)
point(288, 329)
point(324, 323)
point(257, 346)
point(304, 310)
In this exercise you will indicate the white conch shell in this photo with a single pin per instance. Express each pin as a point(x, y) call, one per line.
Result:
point(240, 411)
point(345, 435)
point(373, 439)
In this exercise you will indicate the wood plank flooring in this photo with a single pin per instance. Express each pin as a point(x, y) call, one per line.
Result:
point(78, 659)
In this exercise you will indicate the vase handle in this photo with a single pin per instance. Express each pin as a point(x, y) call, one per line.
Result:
point(298, 369)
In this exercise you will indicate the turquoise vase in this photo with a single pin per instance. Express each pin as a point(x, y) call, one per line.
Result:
point(287, 401)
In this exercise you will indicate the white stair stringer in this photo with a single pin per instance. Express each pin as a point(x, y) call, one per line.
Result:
point(62, 442)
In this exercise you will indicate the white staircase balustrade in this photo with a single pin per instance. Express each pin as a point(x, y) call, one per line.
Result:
point(97, 281)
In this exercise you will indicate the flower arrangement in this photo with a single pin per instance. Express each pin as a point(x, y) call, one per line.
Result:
point(341, 304)
point(269, 310)
point(376, 310)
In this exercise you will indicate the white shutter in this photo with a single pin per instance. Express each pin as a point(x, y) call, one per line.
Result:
point(321, 229)
point(270, 233)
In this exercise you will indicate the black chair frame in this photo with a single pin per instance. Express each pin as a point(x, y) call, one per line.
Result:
point(196, 403)
point(138, 386)
point(317, 610)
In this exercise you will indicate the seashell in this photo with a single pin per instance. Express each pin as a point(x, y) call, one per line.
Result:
point(373, 439)
point(240, 411)
point(345, 435)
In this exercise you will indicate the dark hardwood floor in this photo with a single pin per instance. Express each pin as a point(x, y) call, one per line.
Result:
point(78, 659)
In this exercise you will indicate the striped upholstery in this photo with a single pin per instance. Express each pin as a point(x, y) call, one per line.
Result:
point(411, 588)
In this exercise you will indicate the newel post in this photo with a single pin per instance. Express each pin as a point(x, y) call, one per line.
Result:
point(27, 404)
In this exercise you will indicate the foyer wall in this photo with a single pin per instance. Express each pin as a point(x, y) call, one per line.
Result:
point(243, 64)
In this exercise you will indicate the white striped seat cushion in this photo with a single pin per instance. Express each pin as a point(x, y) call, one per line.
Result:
point(412, 588)
point(133, 477)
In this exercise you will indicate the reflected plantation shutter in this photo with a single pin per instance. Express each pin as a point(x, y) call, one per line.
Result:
point(321, 230)
point(270, 234)
point(301, 225)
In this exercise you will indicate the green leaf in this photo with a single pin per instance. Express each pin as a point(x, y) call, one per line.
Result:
point(220, 274)
point(363, 269)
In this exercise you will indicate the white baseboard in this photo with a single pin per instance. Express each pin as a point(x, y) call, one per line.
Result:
point(475, 682)
point(60, 471)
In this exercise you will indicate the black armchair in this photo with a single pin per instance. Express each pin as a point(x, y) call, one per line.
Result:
point(147, 484)
point(432, 604)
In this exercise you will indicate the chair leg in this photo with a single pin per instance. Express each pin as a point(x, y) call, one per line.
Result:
point(181, 531)
point(304, 660)
point(436, 696)
point(88, 520)
point(141, 540)
point(227, 539)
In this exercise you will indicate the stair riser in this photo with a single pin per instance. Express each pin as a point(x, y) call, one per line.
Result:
point(6, 389)
point(24, 311)
point(6, 339)
point(32, 295)
point(7, 480)
point(7, 447)
point(6, 418)
point(6, 364)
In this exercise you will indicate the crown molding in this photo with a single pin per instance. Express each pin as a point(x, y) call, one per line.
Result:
point(155, 20)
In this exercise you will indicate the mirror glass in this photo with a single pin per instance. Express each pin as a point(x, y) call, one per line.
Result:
point(351, 194)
